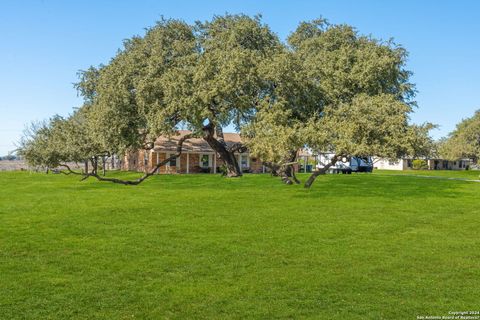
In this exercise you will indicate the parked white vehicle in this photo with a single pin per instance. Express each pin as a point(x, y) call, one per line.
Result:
point(346, 165)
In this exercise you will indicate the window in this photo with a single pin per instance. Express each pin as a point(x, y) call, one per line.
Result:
point(145, 158)
point(172, 162)
point(244, 161)
point(204, 161)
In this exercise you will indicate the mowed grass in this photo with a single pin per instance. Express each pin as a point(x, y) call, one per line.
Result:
point(456, 174)
point(361, 246)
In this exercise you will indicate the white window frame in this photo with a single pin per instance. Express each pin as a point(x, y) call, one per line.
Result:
point(248, 161)
point(209, 160)
point(177, 160)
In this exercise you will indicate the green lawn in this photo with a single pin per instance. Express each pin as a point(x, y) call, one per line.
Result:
point(461, 174)
point(361, 246)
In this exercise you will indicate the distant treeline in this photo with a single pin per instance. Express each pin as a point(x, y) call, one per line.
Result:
point(9, 157)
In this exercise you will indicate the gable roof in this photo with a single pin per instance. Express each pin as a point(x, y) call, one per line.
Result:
point(166, 144)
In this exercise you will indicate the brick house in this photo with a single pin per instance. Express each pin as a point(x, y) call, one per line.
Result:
point(197, 156)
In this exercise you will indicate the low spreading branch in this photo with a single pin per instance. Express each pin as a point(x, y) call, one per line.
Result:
point(146, 175)
point(321, 171)
point(237, 147)
point(273, 168)
point(69, 170)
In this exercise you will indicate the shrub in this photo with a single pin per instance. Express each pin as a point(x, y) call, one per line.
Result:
point(419, 164)
point(223, 169)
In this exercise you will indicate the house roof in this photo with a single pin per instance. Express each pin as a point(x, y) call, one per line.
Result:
point(164, 143)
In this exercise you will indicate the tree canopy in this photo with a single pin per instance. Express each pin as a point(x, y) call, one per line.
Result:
point(59, 141)
point(336, 91)
point(204, 76)
point(464, 141)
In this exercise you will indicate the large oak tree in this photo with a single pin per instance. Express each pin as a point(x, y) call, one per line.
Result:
point(204, 77)
point(362, 97)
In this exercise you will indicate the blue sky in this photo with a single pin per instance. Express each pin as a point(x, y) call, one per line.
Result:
point(45, 43)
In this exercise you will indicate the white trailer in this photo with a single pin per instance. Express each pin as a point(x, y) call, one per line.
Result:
point(346, 165)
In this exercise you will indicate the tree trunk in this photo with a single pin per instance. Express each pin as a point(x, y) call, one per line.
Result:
point(287, 171)
point(284, 177)
point(274, 168)
point(94, 161)
point(290, 170)
point(293, 176)
point(103, 165)
point(220, 146)
point(86, 167)
point(321, 171)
